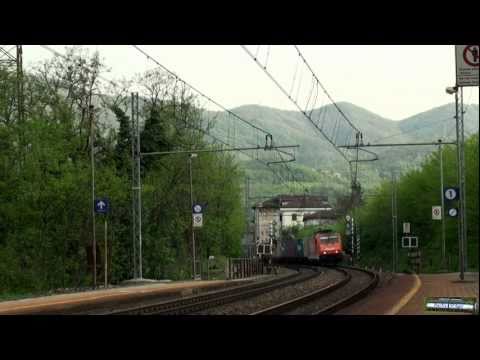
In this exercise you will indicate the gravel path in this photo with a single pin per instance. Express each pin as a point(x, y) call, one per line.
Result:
point(250, 305)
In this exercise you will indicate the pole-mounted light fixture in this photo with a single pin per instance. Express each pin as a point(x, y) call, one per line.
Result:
point(451, 90)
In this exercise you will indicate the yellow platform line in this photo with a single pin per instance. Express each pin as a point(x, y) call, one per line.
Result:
point(406, 298)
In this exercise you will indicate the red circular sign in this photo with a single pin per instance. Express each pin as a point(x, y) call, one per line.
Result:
point(474, 52)
point(436, 211)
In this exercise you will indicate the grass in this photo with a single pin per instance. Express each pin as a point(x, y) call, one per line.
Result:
point(22, 295)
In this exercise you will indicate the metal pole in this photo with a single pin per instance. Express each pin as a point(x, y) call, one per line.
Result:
point(459, 178)
point(139, 189)
point(393, 223)
point(191, 219)
point(247, 240)
point(440, 155)
point(92, 158)
point(396, 227)
point(106, 254)
point(353, 238)
point(19, 62)
point(463, 191)
point(134, 210)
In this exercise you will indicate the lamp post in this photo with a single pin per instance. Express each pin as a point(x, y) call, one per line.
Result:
point(440, 154)
point(461, 182)
point(190, 157)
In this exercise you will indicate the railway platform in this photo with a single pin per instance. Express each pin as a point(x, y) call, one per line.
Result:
point(404, 294)
point(440, 285)
point(82, 302)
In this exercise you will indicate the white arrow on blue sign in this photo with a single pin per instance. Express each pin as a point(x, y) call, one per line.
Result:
point(102, 206)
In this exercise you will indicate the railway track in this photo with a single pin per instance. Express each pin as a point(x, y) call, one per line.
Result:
point(201, 302)
point(355, 284)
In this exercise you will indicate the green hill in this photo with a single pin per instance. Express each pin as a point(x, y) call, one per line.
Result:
point(315, 153)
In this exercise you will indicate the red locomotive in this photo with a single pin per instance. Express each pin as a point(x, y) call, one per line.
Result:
point(327, 247)
point(324, 246)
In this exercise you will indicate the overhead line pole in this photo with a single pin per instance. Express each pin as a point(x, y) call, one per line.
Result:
point(134, 207)
point(394, 224)
point(462, 231)
point(463, 189)
point(440, 155)
point(92, 160)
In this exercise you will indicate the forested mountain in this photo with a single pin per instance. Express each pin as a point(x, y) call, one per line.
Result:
point(315, 153)
point(291, 127)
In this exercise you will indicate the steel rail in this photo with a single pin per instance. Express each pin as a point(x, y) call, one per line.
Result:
point(361, 293)
point(204, 301)
point(293, 303)
point(286, 306)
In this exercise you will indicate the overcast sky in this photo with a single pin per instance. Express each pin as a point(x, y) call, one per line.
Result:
point(393, 81)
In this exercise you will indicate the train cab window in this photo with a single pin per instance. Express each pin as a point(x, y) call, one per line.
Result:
point(294, 217)
point(328, 239)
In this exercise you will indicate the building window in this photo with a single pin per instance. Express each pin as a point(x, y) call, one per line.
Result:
point(294, 217)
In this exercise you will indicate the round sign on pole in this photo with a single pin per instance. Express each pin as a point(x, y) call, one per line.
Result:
point(453, 212)
point(197, 208)
point(471, 55)
point(451, 193)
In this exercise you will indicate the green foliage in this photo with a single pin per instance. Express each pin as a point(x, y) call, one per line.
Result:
point(317, 155)
point(45, 182)
point(417, 192)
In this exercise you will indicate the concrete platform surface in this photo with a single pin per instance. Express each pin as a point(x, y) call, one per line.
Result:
point(441, 285)
point(404, 294)
point(64, 302)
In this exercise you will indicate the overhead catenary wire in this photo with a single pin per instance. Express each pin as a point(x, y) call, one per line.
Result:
point(324, 89)
point(198, 91)
point(206, 97)
point(275, 81)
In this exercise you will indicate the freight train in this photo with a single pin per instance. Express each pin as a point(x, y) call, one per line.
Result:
point(324, 247)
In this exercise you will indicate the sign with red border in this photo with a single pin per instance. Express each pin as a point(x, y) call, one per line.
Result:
point(467, 64)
